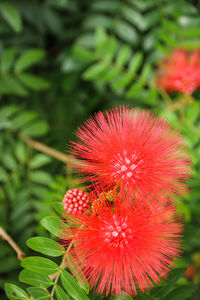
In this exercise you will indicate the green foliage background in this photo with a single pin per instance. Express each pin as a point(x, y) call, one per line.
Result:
point(60, 61)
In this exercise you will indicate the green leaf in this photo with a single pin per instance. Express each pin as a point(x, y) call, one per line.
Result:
point(39, 265)
point(8, 161)
point(29, 58)
point(45, 246)
point(171, 26)
point(7, 59)
point(52, 20)
point(146, 71)
point(33, 82)
point(53, 225)
point(39, 160)
point(98, 20)
point(107, 6)
point(123, 56)
point(134, 89)
point(109, 51)
point(121, 81)
point(100, 40)
point(8, 111)
point(83, 53)
point(38, 293)
point(37, 129)
point(94, 71)
point(35, 279)
point(22, 119)
point(11, 16)
point(60, 294)
point(110, 74)
point(173, 278)
point(80, 277)
point(10, 85)
point(58, 206)
point(21, 152)
point(185, 211)
point(71, 286)
point(180, 293)
point(135, 63)
point(134, 17)
point(152, 18)
point(22, 208)
point(3, 174)
point(193, 112)
point(41, 177)
point(127, 32)
point(14, 292)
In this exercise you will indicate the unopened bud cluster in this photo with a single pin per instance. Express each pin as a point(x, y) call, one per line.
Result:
point(76, 201)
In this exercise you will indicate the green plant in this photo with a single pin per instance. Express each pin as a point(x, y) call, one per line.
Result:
point(60, 61)
point(49, 278)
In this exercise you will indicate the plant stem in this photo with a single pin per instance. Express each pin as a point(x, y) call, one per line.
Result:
point(5, 236)
point(61, 267)
point(50, 151)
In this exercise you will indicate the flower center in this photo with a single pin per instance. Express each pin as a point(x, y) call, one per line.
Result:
point(126, 166)
point(117, 234)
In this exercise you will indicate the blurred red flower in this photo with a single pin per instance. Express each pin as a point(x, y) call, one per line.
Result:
point(135, 149)
point(180, 71)
point(124, 248)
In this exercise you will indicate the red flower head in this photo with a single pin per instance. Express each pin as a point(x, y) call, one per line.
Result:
point(121, 248)
point(134, 149)
point(180, 71)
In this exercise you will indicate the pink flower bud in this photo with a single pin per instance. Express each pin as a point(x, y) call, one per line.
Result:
point(76, 201)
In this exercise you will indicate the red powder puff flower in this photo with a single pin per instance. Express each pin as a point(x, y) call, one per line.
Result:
point(76, 201)
point(122, 249)
point(134, 149)
point(180, 71)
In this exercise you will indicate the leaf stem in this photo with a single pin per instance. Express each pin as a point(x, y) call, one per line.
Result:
point(61, 267)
